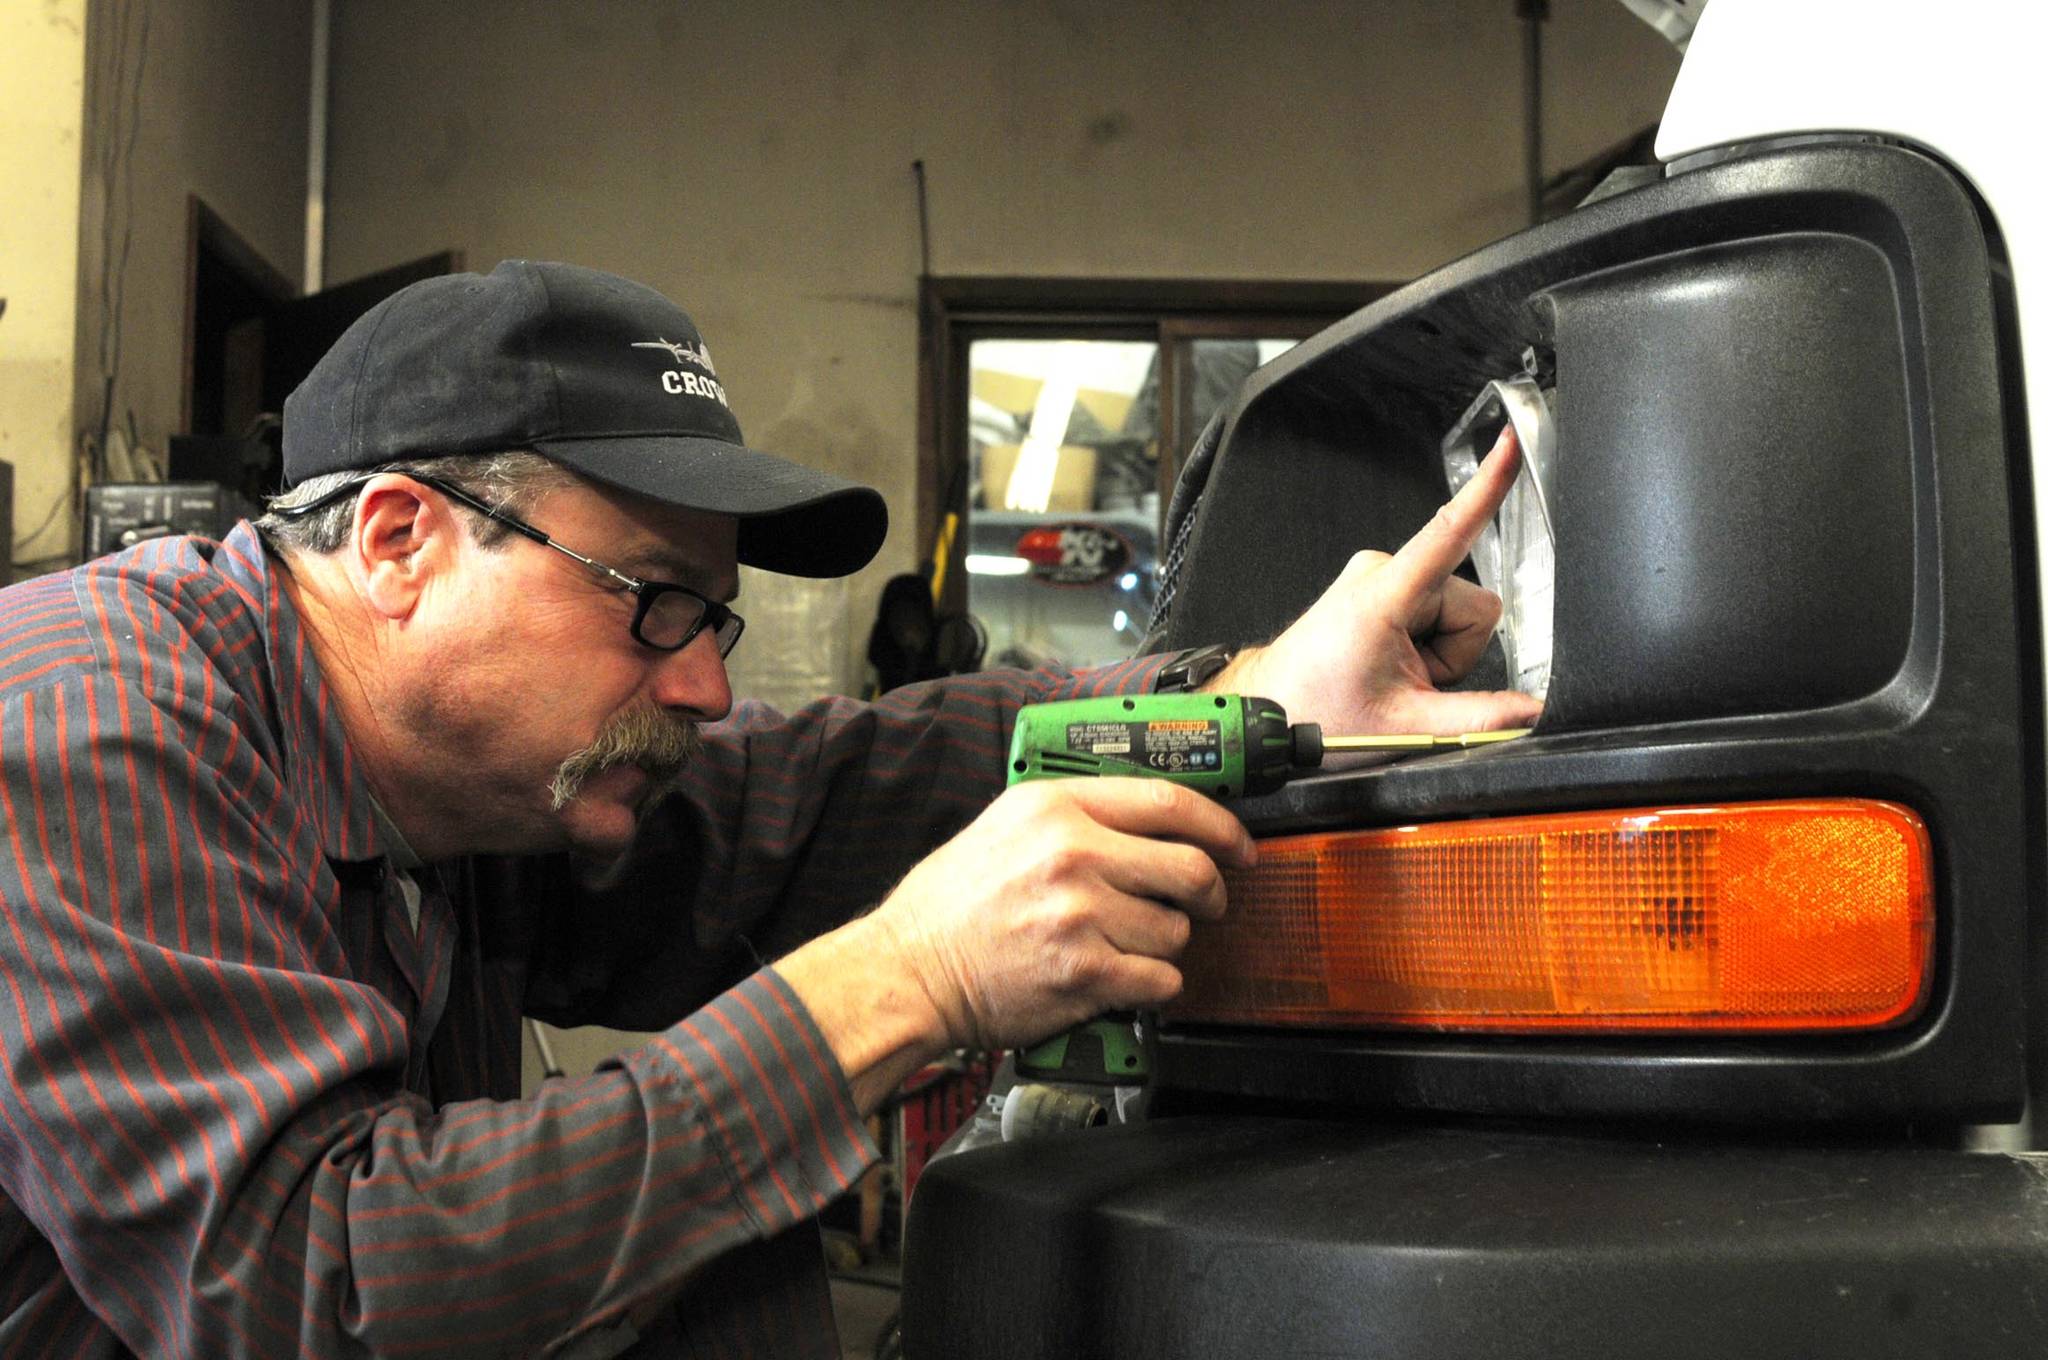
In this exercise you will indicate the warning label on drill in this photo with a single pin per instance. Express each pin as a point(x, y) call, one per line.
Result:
point(1173, 746)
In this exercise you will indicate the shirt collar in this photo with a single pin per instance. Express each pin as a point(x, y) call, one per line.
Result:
point(393, 840)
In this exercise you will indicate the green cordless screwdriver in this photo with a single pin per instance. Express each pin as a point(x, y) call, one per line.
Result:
point(1224, 745)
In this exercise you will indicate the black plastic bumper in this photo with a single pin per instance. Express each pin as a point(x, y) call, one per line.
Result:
point(1266, 1237)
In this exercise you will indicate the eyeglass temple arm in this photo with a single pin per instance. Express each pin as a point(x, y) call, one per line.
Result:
point(520, 526)
point(484, 508)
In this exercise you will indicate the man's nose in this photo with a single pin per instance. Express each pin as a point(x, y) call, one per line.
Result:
point(692, 680)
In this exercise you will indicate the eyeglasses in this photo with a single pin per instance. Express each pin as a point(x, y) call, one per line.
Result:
point(669, 616)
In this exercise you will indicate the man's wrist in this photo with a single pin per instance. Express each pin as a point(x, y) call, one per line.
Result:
point(870, 1005)
point(1236, 675)
point(1194, 669)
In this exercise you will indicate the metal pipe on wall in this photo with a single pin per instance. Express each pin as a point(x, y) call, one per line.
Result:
point(316, 151)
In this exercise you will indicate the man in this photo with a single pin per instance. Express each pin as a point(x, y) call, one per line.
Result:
point(286, 821)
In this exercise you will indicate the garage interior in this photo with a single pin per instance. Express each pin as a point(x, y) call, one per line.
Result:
point(923, 234)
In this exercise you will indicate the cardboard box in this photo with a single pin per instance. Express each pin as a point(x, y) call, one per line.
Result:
point(1018, 394)
point(1073, 478)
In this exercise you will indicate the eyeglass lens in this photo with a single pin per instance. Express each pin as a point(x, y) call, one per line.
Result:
point(673, 614)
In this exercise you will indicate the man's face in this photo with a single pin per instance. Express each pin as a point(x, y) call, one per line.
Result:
point(544, 722)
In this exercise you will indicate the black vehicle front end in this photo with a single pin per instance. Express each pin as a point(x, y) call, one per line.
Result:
point(1789, 508)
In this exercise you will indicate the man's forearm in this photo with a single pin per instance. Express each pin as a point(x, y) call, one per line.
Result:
point(875, 1015)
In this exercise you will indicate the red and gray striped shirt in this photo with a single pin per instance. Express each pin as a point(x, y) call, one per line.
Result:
point(252, 1108)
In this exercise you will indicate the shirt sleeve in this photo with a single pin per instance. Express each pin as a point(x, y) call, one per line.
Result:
point(789, 825)
point(205, 1114)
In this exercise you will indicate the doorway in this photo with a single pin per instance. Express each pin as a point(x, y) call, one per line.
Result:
point(249, 340)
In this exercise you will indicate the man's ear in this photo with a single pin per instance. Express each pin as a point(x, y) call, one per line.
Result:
point(400, 536)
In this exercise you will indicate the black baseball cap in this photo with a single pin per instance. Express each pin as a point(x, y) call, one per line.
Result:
point(600, 374)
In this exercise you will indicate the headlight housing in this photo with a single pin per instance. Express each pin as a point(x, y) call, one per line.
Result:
point(1514, 554)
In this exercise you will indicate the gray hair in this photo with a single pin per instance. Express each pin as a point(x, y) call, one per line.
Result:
point(513, 480)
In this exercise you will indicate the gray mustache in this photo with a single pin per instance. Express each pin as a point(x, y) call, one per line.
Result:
point(661, 745)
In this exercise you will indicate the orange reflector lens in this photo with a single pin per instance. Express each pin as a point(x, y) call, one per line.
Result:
point(1812, 915)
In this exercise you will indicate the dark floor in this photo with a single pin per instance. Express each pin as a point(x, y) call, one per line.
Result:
point(864, 1303)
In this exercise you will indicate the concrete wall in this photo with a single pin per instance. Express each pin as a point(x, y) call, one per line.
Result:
point(220, 111)
point(752, 160)
point(42, 93)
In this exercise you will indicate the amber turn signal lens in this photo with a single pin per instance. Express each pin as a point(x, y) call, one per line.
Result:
point(1810, 915)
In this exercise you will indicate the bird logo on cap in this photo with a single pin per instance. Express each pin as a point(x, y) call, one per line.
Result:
point(684, 354)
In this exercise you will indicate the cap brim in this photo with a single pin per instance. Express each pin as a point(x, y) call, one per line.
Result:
point(793, 519)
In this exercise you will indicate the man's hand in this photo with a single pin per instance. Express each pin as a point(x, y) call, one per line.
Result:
point(1062, 900)
point(1369, 654)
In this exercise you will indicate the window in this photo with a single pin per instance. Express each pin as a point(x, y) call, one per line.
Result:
point(1056, 416)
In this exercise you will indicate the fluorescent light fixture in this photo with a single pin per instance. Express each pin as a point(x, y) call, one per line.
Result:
point(987, 564)
point(1031, 479)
